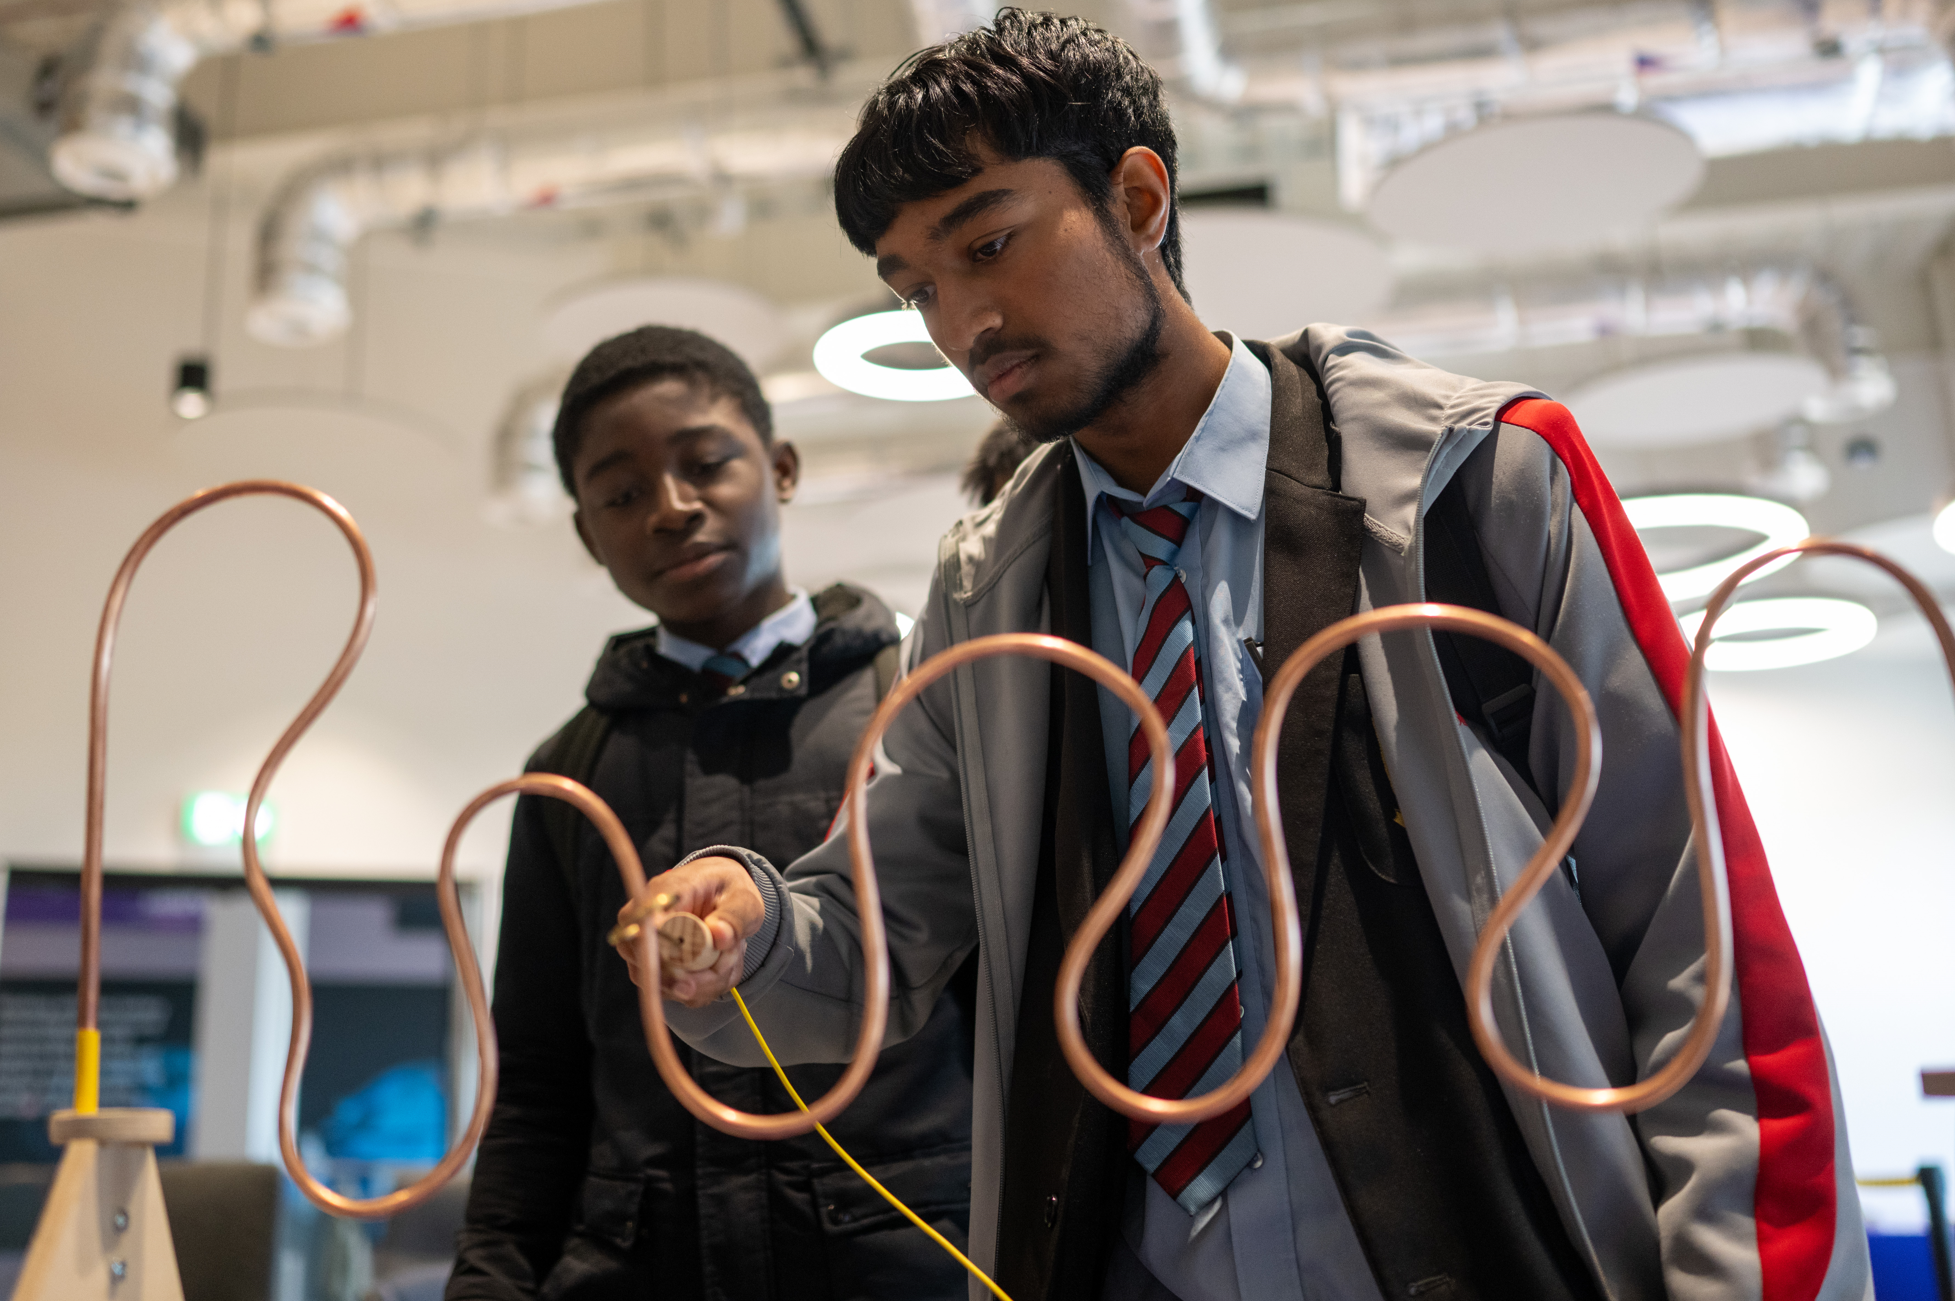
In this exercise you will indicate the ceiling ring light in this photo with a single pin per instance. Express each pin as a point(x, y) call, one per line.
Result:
point(1817, 627)
point(1776, 524)
point(839, 357)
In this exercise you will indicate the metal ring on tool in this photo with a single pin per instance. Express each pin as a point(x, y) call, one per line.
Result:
point(89, 985)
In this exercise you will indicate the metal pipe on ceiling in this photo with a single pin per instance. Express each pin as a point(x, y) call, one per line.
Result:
point(321, 212)
point(118, 138)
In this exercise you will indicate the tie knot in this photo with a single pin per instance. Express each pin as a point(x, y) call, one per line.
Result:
point(723, 670)
point(1157, 532)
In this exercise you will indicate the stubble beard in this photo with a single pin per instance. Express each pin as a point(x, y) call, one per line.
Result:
point(1116, 375)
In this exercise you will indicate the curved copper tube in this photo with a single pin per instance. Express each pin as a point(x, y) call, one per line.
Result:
point(89, 993)
point(868, 898)
point(1697, 764)
point(1106, 910)
point(88, 1002)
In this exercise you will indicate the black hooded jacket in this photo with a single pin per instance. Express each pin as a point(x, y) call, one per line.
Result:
point(592, 1182)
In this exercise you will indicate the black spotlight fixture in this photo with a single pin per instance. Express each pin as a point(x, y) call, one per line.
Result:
point(190, 399)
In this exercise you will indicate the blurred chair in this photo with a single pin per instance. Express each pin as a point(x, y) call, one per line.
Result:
point(224, 1222)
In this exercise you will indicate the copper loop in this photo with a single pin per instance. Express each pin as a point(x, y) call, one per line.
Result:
point(469, 972)
point(1713, 882)
point(1698, 774)
point(868, 898)
point(1106, 911)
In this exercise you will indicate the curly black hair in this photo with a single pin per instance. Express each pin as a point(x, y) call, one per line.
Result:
point(644, 356)
point(1030, 85)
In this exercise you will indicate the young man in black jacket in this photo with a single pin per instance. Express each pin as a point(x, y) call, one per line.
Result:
point(731, 721)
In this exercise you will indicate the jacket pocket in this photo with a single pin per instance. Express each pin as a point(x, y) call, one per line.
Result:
point(598, 1259)
point(873, 1251)
point(609, 1209)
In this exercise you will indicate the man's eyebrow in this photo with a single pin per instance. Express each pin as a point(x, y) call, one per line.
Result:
point(602, 464)
point(978, 204)
point(981, 202)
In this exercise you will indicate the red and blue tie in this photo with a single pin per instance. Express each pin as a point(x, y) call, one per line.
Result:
point(1185, 1007)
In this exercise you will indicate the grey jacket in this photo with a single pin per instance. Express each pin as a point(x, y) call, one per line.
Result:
point(1738, 1187)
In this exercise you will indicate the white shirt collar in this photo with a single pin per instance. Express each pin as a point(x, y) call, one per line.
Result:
point(793, 624)
point(1224, 459)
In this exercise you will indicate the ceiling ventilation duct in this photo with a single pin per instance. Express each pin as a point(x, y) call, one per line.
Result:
point(1782, 319)
point(319, 214)
point(1738, 76)
point(1182, 40)
point(117, 136)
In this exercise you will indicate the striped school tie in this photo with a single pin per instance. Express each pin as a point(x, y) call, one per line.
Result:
point(1184, 1032)
point(722, 671)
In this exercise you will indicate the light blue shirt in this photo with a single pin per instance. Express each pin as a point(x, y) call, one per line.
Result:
point(1279, 1232)
point(793, 623)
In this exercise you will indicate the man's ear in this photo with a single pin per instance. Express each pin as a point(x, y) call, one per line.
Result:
point(584, 535)
point(1144, 197)
point(786, 462)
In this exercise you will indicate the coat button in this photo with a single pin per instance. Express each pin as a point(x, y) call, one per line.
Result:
point(737, 689)
point(1051, 1211)
point(1256, 1161)
point(790, 680)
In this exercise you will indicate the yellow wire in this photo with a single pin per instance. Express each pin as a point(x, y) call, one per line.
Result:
point(854, 1165)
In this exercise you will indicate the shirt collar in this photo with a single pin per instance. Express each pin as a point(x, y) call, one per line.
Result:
point(1224, 459)
point(793, 624)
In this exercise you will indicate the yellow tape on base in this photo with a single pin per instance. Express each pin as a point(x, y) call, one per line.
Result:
point(854, 1165)
point(88, 1071)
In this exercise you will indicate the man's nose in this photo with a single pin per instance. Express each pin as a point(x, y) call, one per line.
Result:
point(963, 319)
point(676, 505)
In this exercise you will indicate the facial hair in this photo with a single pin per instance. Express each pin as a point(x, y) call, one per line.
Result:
point(1116, 373)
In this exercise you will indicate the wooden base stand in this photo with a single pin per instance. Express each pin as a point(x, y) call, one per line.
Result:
point(104, 1235)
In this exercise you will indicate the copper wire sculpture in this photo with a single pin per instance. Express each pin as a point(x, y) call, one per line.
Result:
point(87, 1060)
point(876, 968)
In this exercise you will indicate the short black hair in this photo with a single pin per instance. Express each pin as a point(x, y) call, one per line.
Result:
point(1030, 85)
point(999, 453)
point(644, 356)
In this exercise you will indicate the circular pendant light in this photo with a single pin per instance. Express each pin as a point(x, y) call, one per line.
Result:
point(1690, 400)
point(1944, 526)
point(1811, 628)
point(1264, 274)
point(846, 357)
point(1775, 523)
point(731, 314)
point(1522, 186)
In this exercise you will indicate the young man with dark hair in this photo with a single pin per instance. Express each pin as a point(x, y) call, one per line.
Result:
point(1203, 506)
point(731, 720)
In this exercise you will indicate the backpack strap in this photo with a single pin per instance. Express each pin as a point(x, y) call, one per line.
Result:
point(573, 754)
point(1490, 685)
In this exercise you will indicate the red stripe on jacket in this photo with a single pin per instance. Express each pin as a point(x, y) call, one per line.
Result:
point(1795, 1200)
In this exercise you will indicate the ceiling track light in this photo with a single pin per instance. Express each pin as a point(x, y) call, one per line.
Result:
point(1811, 629)
point(191, 398)
point(840, 356)
point(1775, 523)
